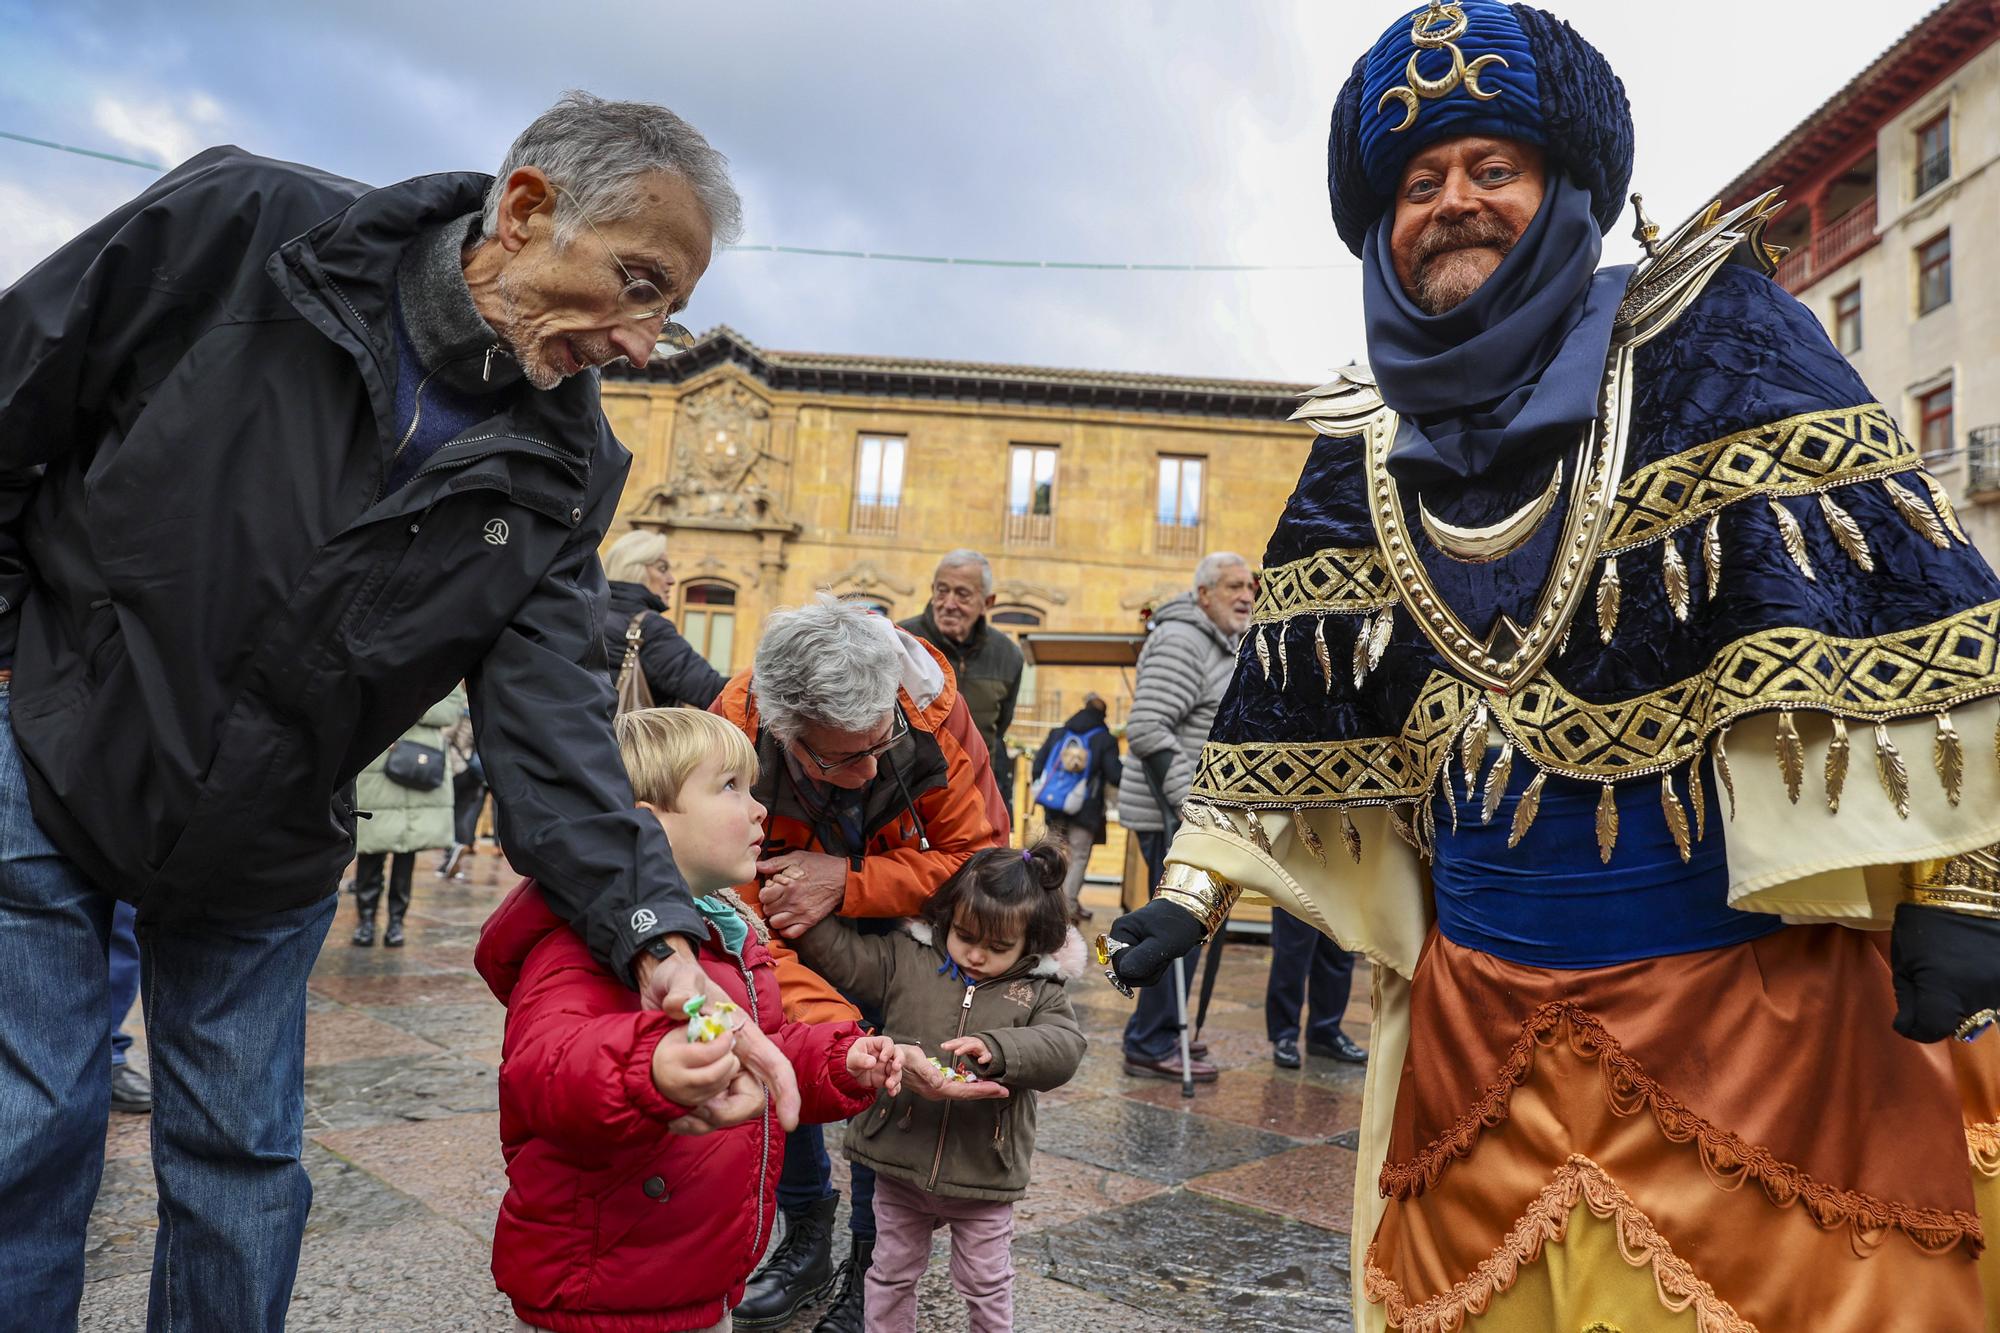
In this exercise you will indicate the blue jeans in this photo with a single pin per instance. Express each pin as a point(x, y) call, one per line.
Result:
point(225, 1017)
point(124, 978)
point(1153, 1033)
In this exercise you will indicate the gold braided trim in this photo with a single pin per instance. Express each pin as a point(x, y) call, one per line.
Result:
point(1982, 1144)
point(1799, 455)
point(1370, 771)
point(1546, 1222)
point(1927, 669)
point(1339, 580)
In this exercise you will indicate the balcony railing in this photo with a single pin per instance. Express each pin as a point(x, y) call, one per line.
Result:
point(1982, 462)
point(1831, 246)
point(1933, 171)
point(1177, 539)
point(1031, 530)
point(879, 519)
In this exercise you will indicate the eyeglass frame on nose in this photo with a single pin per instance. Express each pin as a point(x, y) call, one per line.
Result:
point(671, 332)
point(899, 727)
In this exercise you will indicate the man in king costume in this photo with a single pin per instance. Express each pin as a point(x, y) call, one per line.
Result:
point(1622, 685)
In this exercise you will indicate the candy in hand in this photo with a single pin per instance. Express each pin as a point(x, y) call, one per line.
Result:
point(953, 1075)
point(709, 1019)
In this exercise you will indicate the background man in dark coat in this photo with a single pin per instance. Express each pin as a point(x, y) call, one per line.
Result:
point(283, 459)
point(986, 662)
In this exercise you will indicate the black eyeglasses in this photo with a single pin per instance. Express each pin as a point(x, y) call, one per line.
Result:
point(639, 299)
point(899, 727)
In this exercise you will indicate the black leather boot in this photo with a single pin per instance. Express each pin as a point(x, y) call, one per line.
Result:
point(367, 893)
point(799, 1271)
point(849, 1311)
point(401, 868)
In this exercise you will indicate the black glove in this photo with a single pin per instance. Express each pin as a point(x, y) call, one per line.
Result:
point(1158, 933)
point(1946, 966)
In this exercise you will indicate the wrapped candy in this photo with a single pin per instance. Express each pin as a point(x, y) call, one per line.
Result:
point(709, 1019)
point(953, 1075)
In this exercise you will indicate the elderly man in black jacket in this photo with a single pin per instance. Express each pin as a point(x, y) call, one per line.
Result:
point(283, 458)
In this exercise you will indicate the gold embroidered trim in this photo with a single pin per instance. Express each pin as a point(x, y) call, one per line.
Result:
point(1546, 1222)
point(1982, 1144)
point(1338, 579)
point(1727, 1157)
point(1799, 455)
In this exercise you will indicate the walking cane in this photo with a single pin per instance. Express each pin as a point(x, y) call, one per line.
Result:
point(1170, 824)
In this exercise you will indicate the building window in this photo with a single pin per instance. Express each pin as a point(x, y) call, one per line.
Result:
point(1935, 438)
point(1179, 514)
point(1031, 495)
point(708, 621)
point(1933, 153)
point(1016, 617)
point(1934, 273)
point(878, 483)
point(1847, 320)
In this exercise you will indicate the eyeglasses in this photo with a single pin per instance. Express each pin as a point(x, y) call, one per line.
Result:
point(898, 729)
point(639, 299)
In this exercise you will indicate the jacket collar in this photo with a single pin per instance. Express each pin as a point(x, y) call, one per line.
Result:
point(447, 332)
point(973, 641)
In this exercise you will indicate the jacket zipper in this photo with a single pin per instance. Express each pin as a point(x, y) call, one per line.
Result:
point(763, 1122)
point(944, 1121)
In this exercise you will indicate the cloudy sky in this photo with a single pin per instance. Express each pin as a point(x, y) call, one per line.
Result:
point(1169, 131)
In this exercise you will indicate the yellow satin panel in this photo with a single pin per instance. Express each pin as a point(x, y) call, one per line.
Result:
point(1583, 1279)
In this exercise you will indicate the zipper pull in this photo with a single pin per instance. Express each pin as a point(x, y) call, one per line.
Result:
point(486, 372)
point(968, 995)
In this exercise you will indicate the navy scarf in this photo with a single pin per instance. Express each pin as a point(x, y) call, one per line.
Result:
point(1511, 373)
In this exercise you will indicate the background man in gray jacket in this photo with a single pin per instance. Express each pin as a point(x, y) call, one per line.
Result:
point(1184, 669)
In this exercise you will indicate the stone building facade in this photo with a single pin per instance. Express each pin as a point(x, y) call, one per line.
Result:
point(777, 474)
point(1894, 229)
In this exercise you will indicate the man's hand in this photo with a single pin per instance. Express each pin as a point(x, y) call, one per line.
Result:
point(933, 1084)
point(1156, 934)
point(972, 1048)
point(668, 983)
point(741, 1100)
point(801, 889)
point(1946, 966)
point(876, 1062)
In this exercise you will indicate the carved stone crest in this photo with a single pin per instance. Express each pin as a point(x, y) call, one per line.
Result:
point(723, 470)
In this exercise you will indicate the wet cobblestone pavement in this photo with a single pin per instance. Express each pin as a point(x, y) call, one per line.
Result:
point(1147, 1211)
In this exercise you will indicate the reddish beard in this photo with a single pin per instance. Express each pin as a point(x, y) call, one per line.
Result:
point(1437, 287)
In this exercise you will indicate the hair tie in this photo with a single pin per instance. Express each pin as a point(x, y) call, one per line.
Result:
point(1028, 856)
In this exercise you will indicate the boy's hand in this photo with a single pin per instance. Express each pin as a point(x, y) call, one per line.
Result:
point(689, 1073)
point(876, 1062)
point(668, 983)
point(929, 1082)
point(972, 1048)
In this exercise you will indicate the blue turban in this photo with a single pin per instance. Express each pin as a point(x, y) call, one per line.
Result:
point(1554, 89)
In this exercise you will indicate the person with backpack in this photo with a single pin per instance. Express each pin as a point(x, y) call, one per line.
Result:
point(1077, 764)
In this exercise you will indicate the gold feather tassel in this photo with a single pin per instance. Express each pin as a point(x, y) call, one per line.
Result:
point(1607, 824)
point(1677, 819)
point(1444, 788)
point(1284, 661)
point(1263, 650)
point(1472, 746)
point(1674, 572)
point(1916, 513)
point(1257, 834)
point(1711, 554)
point(1325, 657)
point(1794, 539)
point(1722, 768)
point(1948, 755)
point(1562, 644)
point(1378, 636)
point(1791, 755)
point(1525, 812)
point(1607, 600)
point(1307, 838)
point(1427, 830)
point(1401, 822)
point(1350, 836)
point(1895, 774)
point(1848, 533)
point(1836, 764)
point(1698, 798)
point(1942, 504)
point(1360, 650)
point(1496, 782)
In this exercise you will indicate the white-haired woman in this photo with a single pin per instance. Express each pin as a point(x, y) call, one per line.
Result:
point(641, 580)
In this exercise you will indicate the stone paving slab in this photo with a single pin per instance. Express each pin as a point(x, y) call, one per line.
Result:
point(1165, 1146)
point(452, 1166)
point(1201, 1263)
point(399, 988)
point(1293, 1107)
point(402, 1087)
point(341, 1034)
point(1062, 1189)
point(455, 1027)
point(1314, 1184)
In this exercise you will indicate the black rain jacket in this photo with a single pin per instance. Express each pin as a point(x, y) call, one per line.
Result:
point(216, 616)
point(675, 672)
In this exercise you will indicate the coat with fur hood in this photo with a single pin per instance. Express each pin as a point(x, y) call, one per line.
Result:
point(964, 1150)
point(611, 1224)
point(931, 805)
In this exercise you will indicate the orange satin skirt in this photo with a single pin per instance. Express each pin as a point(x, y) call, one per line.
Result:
point(1718, 1142)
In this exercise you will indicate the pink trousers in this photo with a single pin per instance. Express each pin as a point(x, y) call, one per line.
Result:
point(982, 1256)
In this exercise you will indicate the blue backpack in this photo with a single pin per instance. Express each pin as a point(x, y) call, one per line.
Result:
point(1070, 776)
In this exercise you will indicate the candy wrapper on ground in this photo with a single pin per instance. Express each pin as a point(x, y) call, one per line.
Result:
point(709, 1019)
point(954, 1075)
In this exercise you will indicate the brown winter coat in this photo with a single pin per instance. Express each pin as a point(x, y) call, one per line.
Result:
point(965, 1150)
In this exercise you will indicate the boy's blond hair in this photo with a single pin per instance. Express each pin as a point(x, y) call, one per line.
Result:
point(662, 746)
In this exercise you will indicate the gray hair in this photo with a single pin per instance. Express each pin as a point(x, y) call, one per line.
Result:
point(963, 557)
point(598, 151)
point(1212, 567)
point(828, 664)
point(628, 557)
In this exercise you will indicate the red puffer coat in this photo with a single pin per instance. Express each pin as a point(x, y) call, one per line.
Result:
point(611, 1224)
